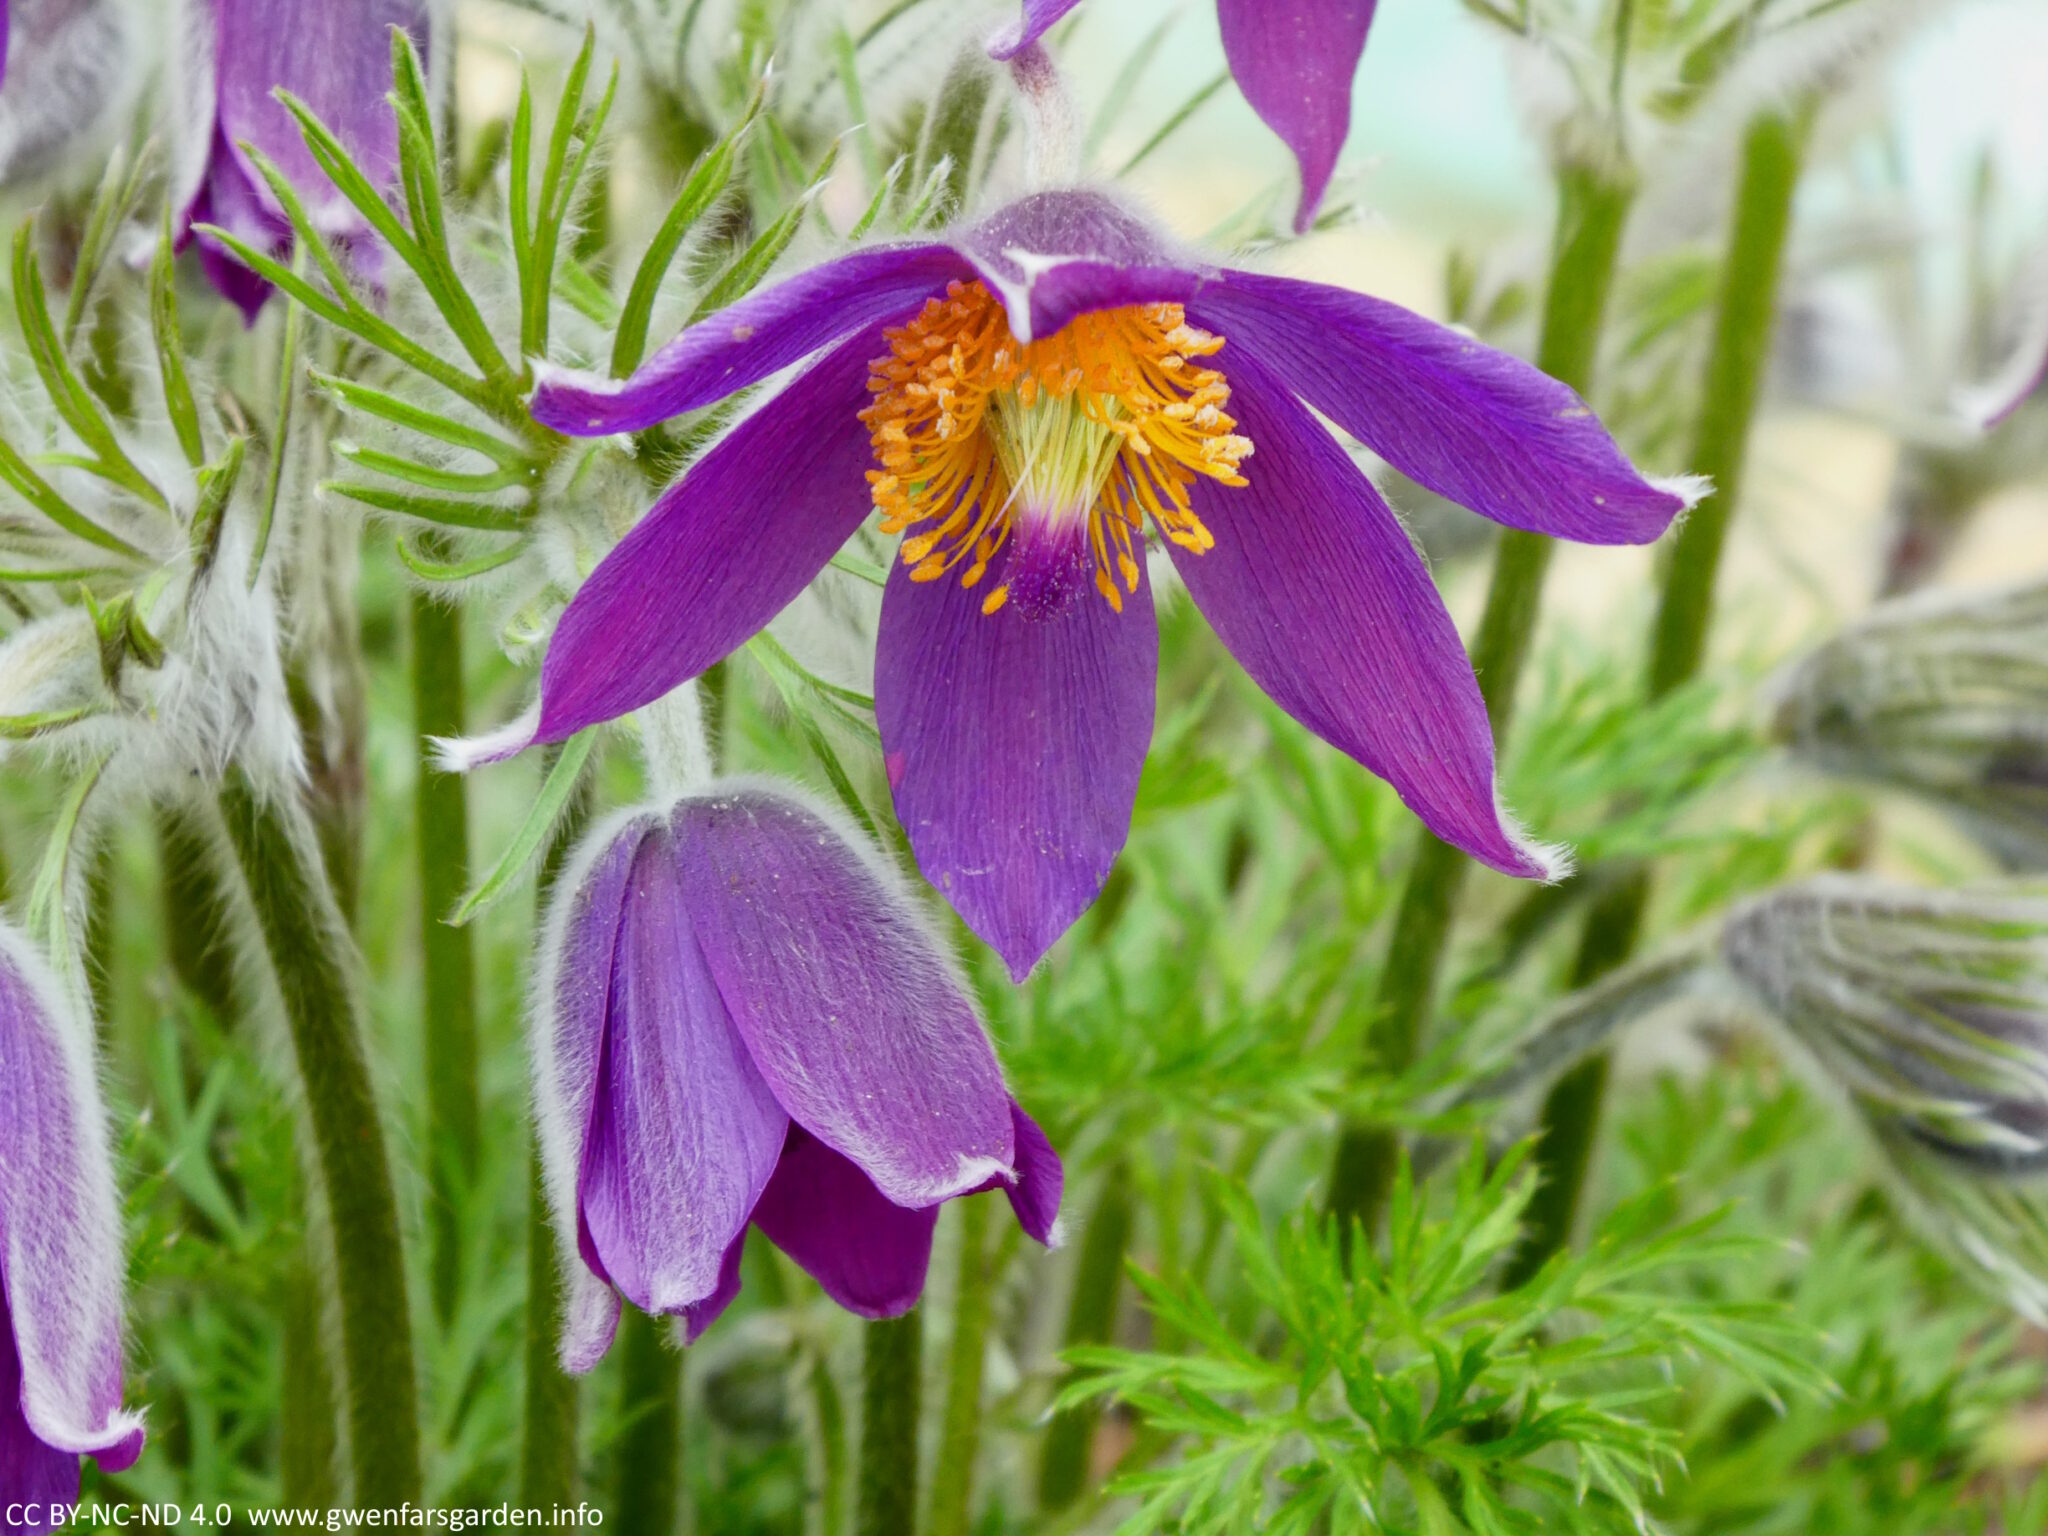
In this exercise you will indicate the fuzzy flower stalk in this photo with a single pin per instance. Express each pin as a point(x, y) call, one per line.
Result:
point(1021, 402)
point(1944, 695)
point(61, 1266)
point(1929, 1011)
point(336, 58)
point(741, 1019)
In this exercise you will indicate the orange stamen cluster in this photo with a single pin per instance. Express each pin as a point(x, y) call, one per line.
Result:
point(1111, 419)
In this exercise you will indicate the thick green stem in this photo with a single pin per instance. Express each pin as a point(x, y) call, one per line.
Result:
point(891, 1390)
point(547, 1458)
point(1593, 208)
point(441, 812)
point(960, 1430)
point(650, 1462)
point(1098, 1286)
point(308, 951)
point(194, 912)
point(1743, 322)
point(307, 1449)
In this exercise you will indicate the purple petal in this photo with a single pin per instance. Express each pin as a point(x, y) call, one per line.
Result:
point(228, 199)
point(683, 1132)
point(1034, 19)
point(1314, 587)
point(1294, 61)
point(870, 1255)
point(336, 59)
point(30, 1472)
point(1485, 429)
point(578, 953)
point(746, 342)
point(1041, 1179)
point(1055, 255)
point(702, 1314)
point(850, 1008)
point(726, 548)
point(60, 1226)
point(1014, 747)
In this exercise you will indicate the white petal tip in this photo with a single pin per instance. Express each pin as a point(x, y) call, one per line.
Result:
point(1689, 489)
point(1555, 858)
point(459, 754)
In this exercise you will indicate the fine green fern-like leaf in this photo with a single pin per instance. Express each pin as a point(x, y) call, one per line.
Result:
point(1401, 1392)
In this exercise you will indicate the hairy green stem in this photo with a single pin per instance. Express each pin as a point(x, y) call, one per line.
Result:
point(1593, 207)
point(307, 1449)
point(891, 1393)
point(1744, 319)
point(960, 1429)
point(547, 1456)
point(650, 1463)
point(308, 951)
point(449, 1030)
point(1091, 1315)
point(194, 912)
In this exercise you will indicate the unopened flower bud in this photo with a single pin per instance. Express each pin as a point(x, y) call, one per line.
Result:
point(742, 1019)
point(1929, 1011)
point(1946, 697)
point(61, 1269)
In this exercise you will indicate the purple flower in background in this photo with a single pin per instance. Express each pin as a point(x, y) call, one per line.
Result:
point(60, 1252)
point(742, 1019)
point(336, 57)
point(1293, 60)
point(1018, 401)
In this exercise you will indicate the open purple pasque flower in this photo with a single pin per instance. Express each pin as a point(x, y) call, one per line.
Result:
point(336, 57)
point(1017, 400)
point(1293, 59)
point(60, 1253)
point(742, 1019)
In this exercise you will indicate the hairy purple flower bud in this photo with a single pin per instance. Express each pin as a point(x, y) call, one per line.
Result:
point(741, 1017)
point(1929, 1010)
point(1945, 696)
point(60, 1252)
point(334, 57)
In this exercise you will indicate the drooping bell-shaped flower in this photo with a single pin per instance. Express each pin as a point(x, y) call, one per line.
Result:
point(742, 1019)
point(1293, 59)
point(1929, 1010)
point(336, 57)
point(61, 1268)
point(1019, 401)
point(1945, 695)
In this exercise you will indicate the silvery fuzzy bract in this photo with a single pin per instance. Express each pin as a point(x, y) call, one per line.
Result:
point(1929, 1010)
point(1945, 695)
point(61, 66)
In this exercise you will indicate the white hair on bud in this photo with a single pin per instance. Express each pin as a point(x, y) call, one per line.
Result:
point(590, 1308)
point(91, 1304)
point(221, 696)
